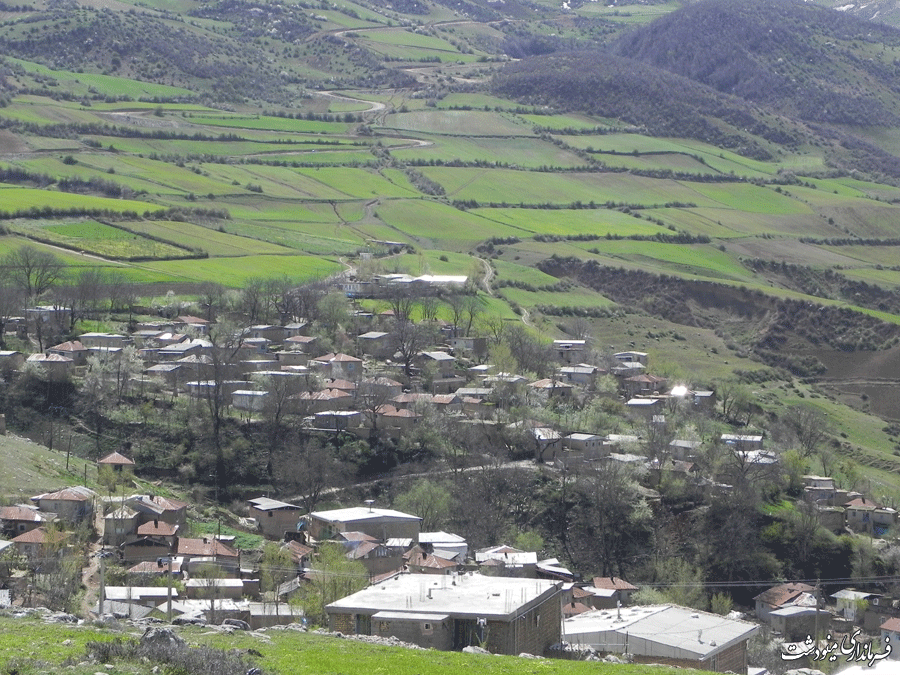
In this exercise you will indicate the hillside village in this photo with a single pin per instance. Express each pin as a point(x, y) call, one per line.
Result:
point(372, 570)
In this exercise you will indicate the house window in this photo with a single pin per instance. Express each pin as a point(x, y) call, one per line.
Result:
point(270, 514)
point(427, 629)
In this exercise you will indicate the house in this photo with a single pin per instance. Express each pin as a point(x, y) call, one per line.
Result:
point(512, 561)
point(470, 346)
point(665, 634)
point(230, 589)
point(249, 400)
point(104, 340)
point(784, 595)
point(376, 343)
point(38, 542)
point(570, 351)
point(795, 623)
point(338, 365)
point(420, 561)
point(864, 515)
point(444, 544)
point(683, 449)
point(192, 323)
point(55, 368)
point(443, 363)
point(208, 547)
point(622, 590)
point(643, 385)
point(301, 343)
point(273, 517)
point(23, 518)
point(337, 420)
point(644, 408)
point(72, 504)
point(148, 596)
point(153, 507)
point(505, 615)
point(550, 388)
point(73, 349)
point(589, 444)
point(632, 357)
point(582, 374)
point(145, 548)
point(743, 441)
point(159, 530)
point(266, 332)
point(890, 631)
point(818, 488)
point(379, 523)
point(851, 604)
point(10, 361)
point(119, 525)
point(117, 461)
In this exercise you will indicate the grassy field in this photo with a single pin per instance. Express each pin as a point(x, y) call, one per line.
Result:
point(30, 646)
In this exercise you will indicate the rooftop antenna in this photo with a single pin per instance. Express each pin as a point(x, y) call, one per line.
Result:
point(369, 503)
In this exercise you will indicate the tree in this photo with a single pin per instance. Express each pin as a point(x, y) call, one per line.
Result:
point(411, 338)
point(429, 500)
point(308, 470)
point(810, 427)
point(212, 297)
point(610, 519)
point(332, 576)
point(10, 303)
point(275, 568)
point(33, 271)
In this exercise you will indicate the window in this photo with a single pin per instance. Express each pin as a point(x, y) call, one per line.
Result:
point(427, 629)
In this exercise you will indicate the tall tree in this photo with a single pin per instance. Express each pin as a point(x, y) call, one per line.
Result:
point(33, 271)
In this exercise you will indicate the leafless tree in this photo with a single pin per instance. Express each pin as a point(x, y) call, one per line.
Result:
point(810, 427)
point(33, 271)
point(411, 338)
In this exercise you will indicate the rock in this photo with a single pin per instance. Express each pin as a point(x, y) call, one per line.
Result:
point(236, 623)
point(804, 671)
point(472, 649)
point(526, 655)
point(161, 637)
point(67, 643)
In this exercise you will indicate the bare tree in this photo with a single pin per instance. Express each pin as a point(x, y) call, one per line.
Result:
point(810, 427)
point(212, 298)
point(34, 272)
point(411, 338)
point(307, 471)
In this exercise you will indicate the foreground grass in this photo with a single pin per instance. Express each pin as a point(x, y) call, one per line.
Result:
point(30, 646)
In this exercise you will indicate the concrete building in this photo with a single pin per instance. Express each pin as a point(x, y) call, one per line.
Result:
point(273, 517)
point(665, 634)
point(379, 523)
point(506, 615)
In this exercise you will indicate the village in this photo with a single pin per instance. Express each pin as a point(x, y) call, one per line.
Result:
point(374, 570)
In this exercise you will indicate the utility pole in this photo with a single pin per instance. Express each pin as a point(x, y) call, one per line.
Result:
point(169, 593)
point(102, 583)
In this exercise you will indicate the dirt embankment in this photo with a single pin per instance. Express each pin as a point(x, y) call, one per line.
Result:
point(803, 337)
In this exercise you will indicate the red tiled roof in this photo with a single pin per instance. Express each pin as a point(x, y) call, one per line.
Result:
point(614, 583)
point(38, 536)
point(20, 513)
point(892, 625)
point(157, 529)
point(116, 458)
point(574, 608)
point(205, 547)
point(783, 593)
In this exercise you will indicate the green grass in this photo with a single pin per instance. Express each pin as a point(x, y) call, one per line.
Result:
point(564, 222)
point(234, 273)
point(101, 239)
point(530, 187)
point(28, 642)
point(458, 123)
point(15, 199)
point(28, 468)
point(210, 240)
point(524, 151)
point(437, 224)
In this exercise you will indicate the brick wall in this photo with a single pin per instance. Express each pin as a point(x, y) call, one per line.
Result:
point(341, 623)
point(533, 632)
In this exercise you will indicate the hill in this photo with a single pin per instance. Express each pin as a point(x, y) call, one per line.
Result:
point(803, 60)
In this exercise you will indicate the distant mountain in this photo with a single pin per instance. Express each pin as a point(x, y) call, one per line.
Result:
point(658, 101)
point(801, 59)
